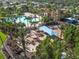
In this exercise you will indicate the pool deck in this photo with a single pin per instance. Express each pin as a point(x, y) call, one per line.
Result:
point(33, 39)
point(58, 31)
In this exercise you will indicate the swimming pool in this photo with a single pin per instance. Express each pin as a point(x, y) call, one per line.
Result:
point(25, 20)
point(22, 19)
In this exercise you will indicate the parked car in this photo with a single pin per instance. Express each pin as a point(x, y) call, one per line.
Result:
point(71, 20)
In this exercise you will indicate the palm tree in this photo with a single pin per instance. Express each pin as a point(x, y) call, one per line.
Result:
point(9, 11)
point(47, 19)
point(69, 38)
point(22, 33)
point(49, 49)
point(2, 12)
point(76, 53)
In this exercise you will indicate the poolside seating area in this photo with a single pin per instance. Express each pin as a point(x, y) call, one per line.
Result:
point(32, 39)
point(59, 31)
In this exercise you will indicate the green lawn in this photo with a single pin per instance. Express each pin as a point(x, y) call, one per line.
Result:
point(1, 55)
point(3, 38)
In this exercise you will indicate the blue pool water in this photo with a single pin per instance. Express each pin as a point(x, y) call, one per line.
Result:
point(48, 30)
point(25, 20)
point(22, 19)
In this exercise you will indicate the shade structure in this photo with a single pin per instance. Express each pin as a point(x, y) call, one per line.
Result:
point(47, 30)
